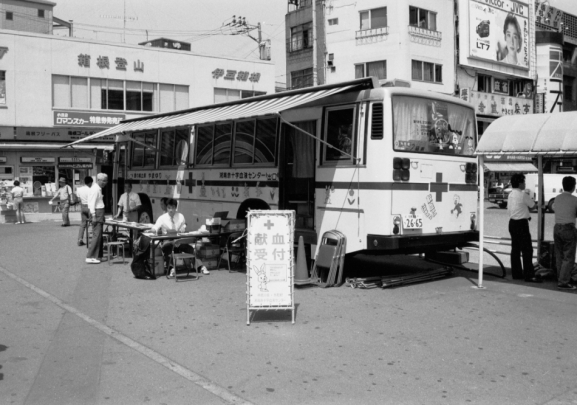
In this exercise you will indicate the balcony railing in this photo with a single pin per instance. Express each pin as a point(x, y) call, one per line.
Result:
point(425, 36)
point(297, 4)
point(372, 33)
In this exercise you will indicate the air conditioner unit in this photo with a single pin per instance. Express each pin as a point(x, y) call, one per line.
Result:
point(330, 63)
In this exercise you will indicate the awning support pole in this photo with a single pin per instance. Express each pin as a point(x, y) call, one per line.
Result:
point(481, 221)
point(541, 205)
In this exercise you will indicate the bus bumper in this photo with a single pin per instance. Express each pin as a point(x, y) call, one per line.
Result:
point(421, 243)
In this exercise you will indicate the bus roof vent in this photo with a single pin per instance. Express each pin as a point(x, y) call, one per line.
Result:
point(377, 121)
point(394, 83)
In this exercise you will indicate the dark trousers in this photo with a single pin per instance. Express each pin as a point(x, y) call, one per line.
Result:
point(167, 252)
point(565, 236)
point(84, 217)
point(95, 249)
point(521, 244)
point(65, 207)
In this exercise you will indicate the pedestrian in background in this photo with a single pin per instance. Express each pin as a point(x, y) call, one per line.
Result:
point(519, 203)
point(63, 194)
point(96, 207)
point(83, 193)
point(565, 234)
point(17, 201)
point(128, 204)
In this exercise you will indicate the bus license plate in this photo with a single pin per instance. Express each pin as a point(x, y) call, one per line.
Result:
point(412, 222)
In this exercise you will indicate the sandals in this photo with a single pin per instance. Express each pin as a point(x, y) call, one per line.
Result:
point(567, 286)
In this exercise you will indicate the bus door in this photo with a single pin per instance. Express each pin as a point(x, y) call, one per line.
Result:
point(297, 173)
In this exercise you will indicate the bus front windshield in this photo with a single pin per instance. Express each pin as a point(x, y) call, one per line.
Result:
point(432, 126)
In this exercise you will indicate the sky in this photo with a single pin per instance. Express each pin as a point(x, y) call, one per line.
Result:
point(201, 22)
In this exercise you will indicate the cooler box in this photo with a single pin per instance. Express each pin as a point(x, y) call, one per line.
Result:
point(233, 225)
point(158, 265)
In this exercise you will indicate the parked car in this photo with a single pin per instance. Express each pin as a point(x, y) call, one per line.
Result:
point(499, 194)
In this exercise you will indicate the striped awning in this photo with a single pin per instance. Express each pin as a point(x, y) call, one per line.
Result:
point(261, 106)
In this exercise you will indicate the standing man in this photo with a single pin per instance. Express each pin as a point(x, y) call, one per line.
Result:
point(83, 193)
point(63, 194)
point(96, 207)
point(565, 234)
point(519, 203)
point(128, 204)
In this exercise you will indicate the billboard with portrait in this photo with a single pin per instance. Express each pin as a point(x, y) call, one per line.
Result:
point(499, 31)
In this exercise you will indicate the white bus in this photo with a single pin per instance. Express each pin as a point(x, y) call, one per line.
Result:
point(393, 169)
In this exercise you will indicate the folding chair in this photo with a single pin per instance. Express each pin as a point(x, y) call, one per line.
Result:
point(235, 245)
point(329, 263)
point(184, 257)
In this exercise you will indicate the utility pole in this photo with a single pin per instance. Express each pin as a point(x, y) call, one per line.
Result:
point(241, 27)
point(314, 10)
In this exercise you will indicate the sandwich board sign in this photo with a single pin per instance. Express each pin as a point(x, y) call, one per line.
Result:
point(269, 260)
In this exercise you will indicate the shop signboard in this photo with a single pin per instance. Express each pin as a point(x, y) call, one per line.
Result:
point(45, 134)
point(74, 160)
point(499, 31)
point(24, 159)
point(270, 269)
point(497, 105)
point(75, 165)
point(547, 15)
point(86, 119)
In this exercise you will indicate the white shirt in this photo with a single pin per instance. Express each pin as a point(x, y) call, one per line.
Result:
point(165, 222)
point(17, 192)
point(133, 201)
point(95, 199)
point(518, 204)
point(83, 193)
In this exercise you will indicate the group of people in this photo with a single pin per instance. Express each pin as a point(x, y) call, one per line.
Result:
point(564, 233)
point(92, 212)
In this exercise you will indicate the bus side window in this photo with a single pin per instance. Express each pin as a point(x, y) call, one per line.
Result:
point(191, 149)
point(340, 133)
point(377, 124)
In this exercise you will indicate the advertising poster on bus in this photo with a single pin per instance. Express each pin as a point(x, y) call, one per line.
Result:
point(499, 31)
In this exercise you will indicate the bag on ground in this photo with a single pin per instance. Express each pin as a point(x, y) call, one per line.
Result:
point(140, 265)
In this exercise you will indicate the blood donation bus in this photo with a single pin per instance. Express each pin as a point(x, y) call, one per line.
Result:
point(391, 168)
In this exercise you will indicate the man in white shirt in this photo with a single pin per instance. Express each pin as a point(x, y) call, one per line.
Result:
point(128, 204)
point(519, 203)
point(565, 235)
point(63, 194)
point(83, 193)
point(174, 221)
point(18, 201)
point(96, 208)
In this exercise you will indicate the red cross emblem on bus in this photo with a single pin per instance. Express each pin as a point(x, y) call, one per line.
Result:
point(439, 187)
point(190, 183)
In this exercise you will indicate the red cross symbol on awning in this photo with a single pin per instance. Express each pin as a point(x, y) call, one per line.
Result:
point(190, 182)
point(439, 187)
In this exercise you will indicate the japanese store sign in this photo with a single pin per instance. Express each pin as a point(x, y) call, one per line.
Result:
point(499, 31)
point(547, 15)
point(74, 160)
point(270, 260)
point(496, 104)
point(86, 119)
point(24, 159)
point(242, 76)
point(103, 62)
point(75, 165)
point(44, 134)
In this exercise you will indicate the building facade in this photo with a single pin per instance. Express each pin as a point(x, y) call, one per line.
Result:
point(55, 90)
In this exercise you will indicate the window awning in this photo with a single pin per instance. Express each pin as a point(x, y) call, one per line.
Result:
point(263, 105)
point(523, 167)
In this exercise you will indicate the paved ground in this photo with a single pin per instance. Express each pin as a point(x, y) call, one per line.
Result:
point(72, 333)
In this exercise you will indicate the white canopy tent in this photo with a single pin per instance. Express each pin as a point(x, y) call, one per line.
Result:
point(540, 136)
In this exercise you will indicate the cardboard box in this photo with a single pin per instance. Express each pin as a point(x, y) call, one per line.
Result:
point(233, 225)
point(211, 264)
point(207, 250)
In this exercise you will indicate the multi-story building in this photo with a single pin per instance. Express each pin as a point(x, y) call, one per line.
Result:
point(57, 89)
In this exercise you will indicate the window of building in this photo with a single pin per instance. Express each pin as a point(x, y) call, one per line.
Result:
point(339, 133)
point(113, 95)
point(60, 91)
point(141, 96)
point(421, 18)
point(301, 37)
point(174, 147)
point(375, 18)
point(9, 15)
point(41, 13)
point(225, 95)
point(426, 71)
point(250, 93)
point(377, 69)
point(79, 87)
point(2, 87)
point(484, 83)
point(333, 21)
point(301, 78)
point(568, 88)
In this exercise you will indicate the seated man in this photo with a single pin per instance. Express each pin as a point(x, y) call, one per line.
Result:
point(174, 221)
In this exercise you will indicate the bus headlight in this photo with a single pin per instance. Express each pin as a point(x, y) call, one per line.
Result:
point(397, 225)
point(473, 221)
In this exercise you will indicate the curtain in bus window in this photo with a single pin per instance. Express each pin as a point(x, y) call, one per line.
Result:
point(166, 97)
point(244, 142)
point(181, 150)
point(61, 91)
point(181, 97)
point(167, 148)
point(264, 147)
point(461, 130)
point(150, 154)
point(411, 124)
point(339, 133)
point(304, 149)
point(96, 95)
point(79, 92)
point(204, 145)
point(138, 151)
point(222, 143)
